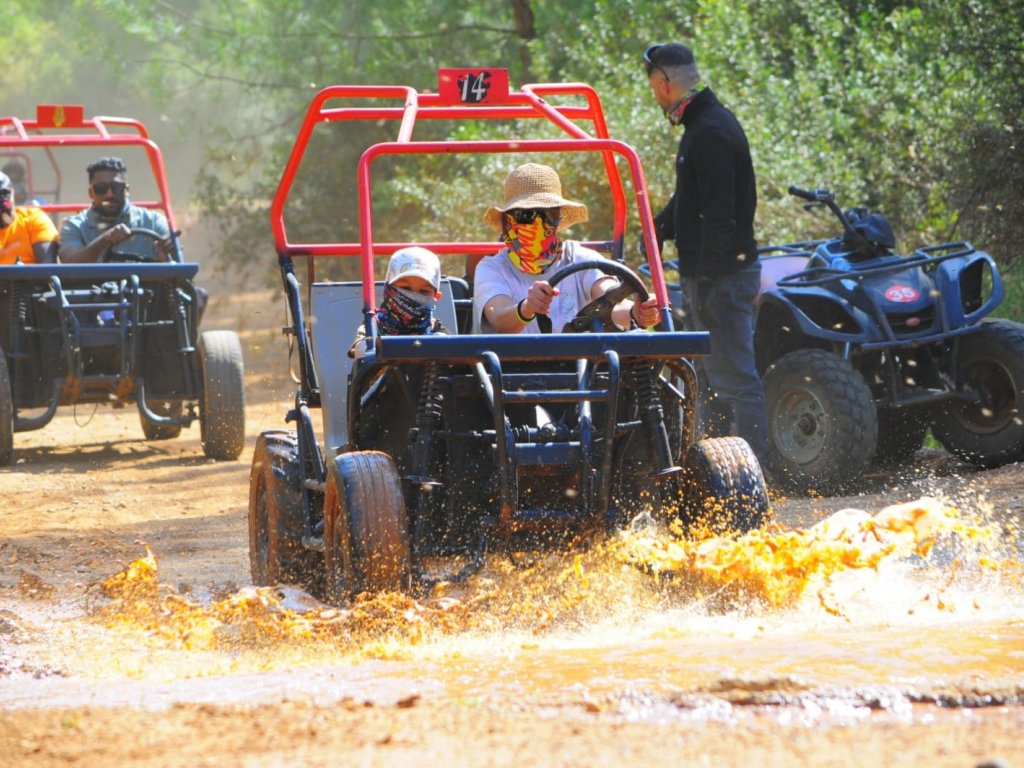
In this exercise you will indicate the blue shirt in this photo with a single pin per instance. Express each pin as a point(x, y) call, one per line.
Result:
point(81, 229)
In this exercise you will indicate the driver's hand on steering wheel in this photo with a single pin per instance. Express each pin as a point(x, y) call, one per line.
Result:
point(538, 298)
point(646, 314)
point(163, 249)
point(118, 234)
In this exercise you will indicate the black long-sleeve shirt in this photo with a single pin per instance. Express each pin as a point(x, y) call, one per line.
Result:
point(711, 213)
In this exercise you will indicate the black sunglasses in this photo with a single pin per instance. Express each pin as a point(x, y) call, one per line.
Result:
point(5, 192)
point(649, 64)
point(528, 215)
point(102, 187)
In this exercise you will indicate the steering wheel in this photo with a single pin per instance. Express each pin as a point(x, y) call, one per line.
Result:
point(114, 255)
point(601, 307)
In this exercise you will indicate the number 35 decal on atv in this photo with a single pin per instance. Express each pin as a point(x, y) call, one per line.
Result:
point(901, 294)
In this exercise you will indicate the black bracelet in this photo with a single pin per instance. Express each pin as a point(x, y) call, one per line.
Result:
point(519, 313)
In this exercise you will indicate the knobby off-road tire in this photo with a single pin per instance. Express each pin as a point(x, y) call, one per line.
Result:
point(276, 515)
point(6, 414)
point(366, 527)
point(901, 433)
point(822, 425)
point(162, 431)
point(723, 487)
point(990, 433)
point(222, 407)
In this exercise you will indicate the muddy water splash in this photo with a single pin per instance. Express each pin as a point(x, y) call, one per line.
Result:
point(915, 603)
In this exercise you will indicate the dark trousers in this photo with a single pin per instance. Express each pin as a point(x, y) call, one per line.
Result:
point(724, 306)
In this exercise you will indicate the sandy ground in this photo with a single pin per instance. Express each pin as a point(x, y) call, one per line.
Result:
point(87, 494)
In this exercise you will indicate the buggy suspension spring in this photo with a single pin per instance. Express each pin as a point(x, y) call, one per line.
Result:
point(19, 318)
point(428, 416)
point(428, 410)
point(177, 306)
point(643, 378)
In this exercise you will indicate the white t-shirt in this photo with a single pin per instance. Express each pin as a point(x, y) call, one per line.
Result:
point(497, 276)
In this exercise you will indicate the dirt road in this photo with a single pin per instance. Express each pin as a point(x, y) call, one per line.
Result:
point(573, 660)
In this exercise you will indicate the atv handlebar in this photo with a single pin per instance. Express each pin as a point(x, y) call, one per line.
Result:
point(813, 196)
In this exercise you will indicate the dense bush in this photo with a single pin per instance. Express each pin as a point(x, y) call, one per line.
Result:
point(913, 108)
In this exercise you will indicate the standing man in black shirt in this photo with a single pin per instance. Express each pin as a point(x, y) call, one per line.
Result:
point(711, 219)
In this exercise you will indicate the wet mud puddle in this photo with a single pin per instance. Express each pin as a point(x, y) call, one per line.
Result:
point(860, 613)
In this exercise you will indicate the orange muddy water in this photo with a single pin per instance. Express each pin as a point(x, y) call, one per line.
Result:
point(123, 590)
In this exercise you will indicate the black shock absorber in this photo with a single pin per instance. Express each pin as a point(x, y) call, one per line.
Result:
point(428, 417)
point(19, 318)
point(177, 307)
point(644, 380)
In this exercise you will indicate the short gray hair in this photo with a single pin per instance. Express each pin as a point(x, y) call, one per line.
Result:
point(682, 74)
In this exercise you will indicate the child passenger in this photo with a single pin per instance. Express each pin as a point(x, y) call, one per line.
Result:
point(412, 288)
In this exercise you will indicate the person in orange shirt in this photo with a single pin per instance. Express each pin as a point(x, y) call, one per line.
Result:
point(27, 236)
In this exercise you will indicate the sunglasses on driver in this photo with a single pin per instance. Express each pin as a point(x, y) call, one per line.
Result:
point(551, 216)
point(102, 187)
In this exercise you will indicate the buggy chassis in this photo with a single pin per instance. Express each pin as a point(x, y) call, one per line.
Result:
point(427, 451)
point(111, 333)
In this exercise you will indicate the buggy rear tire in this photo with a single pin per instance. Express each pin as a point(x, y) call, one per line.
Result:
point(222, 406)
point(6, 413)
point(154, 431)
point(989, 433)
point(366, 528)
point(277, 517)
point(723, 487)
point(822, 423)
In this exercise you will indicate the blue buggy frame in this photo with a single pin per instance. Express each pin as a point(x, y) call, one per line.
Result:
point(431, 443)
point(114, 333)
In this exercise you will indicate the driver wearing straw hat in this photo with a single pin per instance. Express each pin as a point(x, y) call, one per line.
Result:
point(510, 288)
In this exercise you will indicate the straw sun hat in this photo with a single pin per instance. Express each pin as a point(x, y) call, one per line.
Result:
point(532, 185)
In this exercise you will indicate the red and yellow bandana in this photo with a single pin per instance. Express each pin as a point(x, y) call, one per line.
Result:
point(531, 247)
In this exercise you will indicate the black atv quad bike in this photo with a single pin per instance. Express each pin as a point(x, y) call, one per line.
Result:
point(864, 350)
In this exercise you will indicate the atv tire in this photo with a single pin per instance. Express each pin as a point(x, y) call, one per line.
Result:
point(366, 528)
point(277, 516)
point(723, 488)
point(222, 408)
point(822, 424)
point(6, 414)
point(989, 433)
point(154, 431)
point(901, 433)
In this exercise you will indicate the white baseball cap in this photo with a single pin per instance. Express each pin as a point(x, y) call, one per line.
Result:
point(415, 261)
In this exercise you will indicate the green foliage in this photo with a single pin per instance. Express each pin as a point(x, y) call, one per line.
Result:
point(911, 108)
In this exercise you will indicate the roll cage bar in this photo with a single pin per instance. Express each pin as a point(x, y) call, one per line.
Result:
point(66, 126)
point(464, 94)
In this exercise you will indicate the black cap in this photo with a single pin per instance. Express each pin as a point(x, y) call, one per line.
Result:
point(668, 55)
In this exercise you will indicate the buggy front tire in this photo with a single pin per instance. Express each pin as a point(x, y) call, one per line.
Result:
point(6, 413)
point(277, 515)
point(222, 407)
point(366, 528)
point(723, 487)
point(989, 432)
point(822, 422)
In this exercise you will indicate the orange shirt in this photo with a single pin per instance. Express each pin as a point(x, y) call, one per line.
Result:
point(30, 226)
